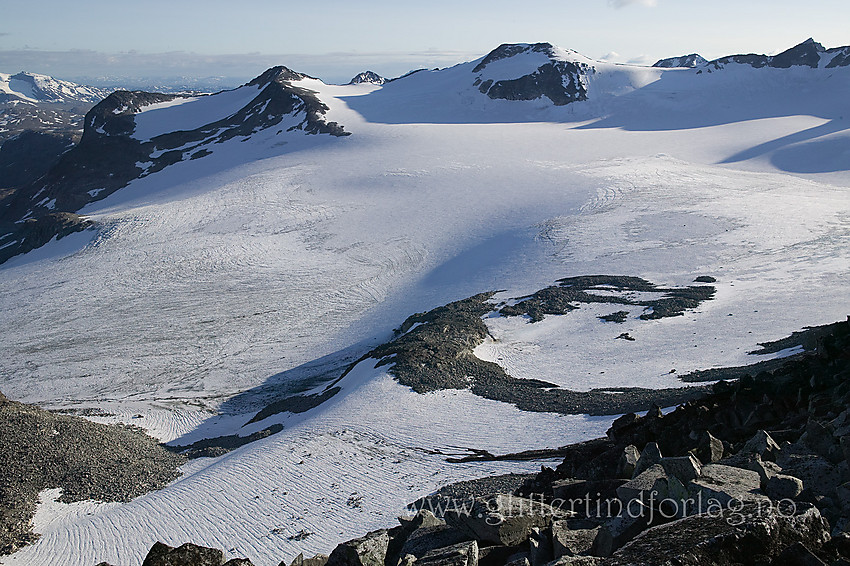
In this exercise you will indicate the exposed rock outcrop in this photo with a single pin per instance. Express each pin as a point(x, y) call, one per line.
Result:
point(807, 54)
point(434, 350)
point(691, 61)
point(29, 155)
point(559, 80)
point(189, 555)
point(368, 77)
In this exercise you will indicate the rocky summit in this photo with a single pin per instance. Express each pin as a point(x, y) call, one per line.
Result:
point(692, 60)
point(560, 80)
point(368, 77)
point(810, 53)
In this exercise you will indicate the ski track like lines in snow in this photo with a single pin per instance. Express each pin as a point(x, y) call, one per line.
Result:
point(182, 271)
point(329, 475)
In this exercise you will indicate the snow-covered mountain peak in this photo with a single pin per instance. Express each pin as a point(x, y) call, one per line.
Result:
point(522, 71)
point(278, 73)
point(368, 77)
point(133, 134)
point(258, 104)
point(511, 50)
point(32, 87)
point(530, 53)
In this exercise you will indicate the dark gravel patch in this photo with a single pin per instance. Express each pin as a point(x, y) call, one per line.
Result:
point(571, 291)
point(807, 338)
point(434, 350)
point(43, 450)
point(295, 404)
point(221, 445)
point(619, 317)
point(735, 372)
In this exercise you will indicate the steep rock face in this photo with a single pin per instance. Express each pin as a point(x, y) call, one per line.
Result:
point(839, 57)
point(560, 80)
point(29, 155)
point(111, 153)
point(33, 233)
point(690, 61)
point(807, 54)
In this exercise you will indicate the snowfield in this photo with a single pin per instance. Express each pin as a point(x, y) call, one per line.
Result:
point(189, 113)
point(33, 88)
point(219, 284)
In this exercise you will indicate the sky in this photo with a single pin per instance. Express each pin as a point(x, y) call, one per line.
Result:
point(110, 41)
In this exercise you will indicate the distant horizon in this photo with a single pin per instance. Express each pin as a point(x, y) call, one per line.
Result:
point(335, 40)
point(206, 70)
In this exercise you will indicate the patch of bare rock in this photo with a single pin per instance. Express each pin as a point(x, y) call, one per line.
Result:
point(42, 450)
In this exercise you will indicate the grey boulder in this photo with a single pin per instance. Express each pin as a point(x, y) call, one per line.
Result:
point(369, 550)
point(461, 554)
point(503, 519)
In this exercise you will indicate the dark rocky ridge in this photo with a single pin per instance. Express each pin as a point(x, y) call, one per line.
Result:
point(42, 450)
point(806, 340)
point(29, 155)
point(807, 54)
point(692, 60)
point(221, 445)
point(562, 82)
point(407, 74)
point(562, 298)
point(434, 350)
point(33, 233)
point(107, 157)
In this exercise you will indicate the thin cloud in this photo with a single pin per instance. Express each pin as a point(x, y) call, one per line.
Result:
point(623, 3)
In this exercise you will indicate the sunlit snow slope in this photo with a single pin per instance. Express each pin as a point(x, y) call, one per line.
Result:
point(218, 284)
point(31, 87)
